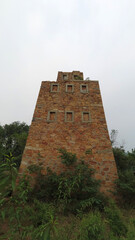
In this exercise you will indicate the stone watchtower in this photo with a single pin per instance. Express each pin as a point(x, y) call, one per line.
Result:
point(69, 114)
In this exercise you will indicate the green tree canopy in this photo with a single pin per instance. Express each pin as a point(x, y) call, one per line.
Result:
point(12, 140)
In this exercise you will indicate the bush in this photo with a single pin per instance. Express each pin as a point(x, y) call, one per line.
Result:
point(75, 188)
point(40, 213)
point(92, 227)
point(12, 140)
point(8, 174)
point(115, 221)
point(131, 230)
point(125, 184)
point(46, 187)
point(121, 158)
point(67, 158)
point(126, 187)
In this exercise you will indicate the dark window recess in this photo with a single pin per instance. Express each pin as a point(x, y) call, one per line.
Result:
point(52, 116)
point(84, 88)
point(69, 88)
point(69, 116)
point(65, 77)
point(86, 117)
point(76, 77)
point(54, 88)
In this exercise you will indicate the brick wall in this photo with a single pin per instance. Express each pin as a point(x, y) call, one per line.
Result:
point(69, 114)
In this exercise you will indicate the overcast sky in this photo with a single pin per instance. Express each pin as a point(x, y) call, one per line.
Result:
point(38, 38)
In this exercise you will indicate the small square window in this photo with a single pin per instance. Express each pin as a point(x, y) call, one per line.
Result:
point(52, 116)
point(77, 77)
point(65, 77)
point(69, 116)
point(83, 88)
point(54, 87)
point(69, 88)
point(86, 117)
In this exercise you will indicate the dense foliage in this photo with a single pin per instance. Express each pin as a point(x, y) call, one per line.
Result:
point(125, 162)
point(68, 206)
point(12, 140)
point(28, 214)
point(75, 188)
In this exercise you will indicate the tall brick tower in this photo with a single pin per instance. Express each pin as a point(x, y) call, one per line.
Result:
point(69, 114)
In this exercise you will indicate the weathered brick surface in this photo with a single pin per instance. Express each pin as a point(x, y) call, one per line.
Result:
point(83, 127)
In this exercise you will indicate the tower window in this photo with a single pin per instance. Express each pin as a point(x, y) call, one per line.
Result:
point(54, 87)
point(83, 88)
point(76, 77)
point(52, 116)
point(69, 88)
point(86, 117)
point(69, 116)
point(65, 77)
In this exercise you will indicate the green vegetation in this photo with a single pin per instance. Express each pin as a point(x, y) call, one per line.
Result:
point(125, 185)
point(125, 162)
point(67, 206)
point(75, 189)
point(12, 140)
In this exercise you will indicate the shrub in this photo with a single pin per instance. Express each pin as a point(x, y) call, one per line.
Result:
point(92, 227)
point(67, 158)
point(75, 188)
point(46, 187)
point(121, 158)
point(131, 230)
point(8, 174)
point(41, 213)
point(126, 187)
point(12, 140)
point(115, 221)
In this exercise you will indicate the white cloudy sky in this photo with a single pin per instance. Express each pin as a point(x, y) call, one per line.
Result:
point(38, 38)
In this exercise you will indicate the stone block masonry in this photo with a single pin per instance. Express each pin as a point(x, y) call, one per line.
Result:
point(69, 114)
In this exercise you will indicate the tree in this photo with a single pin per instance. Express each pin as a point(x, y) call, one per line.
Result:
point(125, 162)
point(12, 140)
point(113, 136)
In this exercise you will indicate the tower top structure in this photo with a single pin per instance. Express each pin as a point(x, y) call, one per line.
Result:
point(70, 76)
